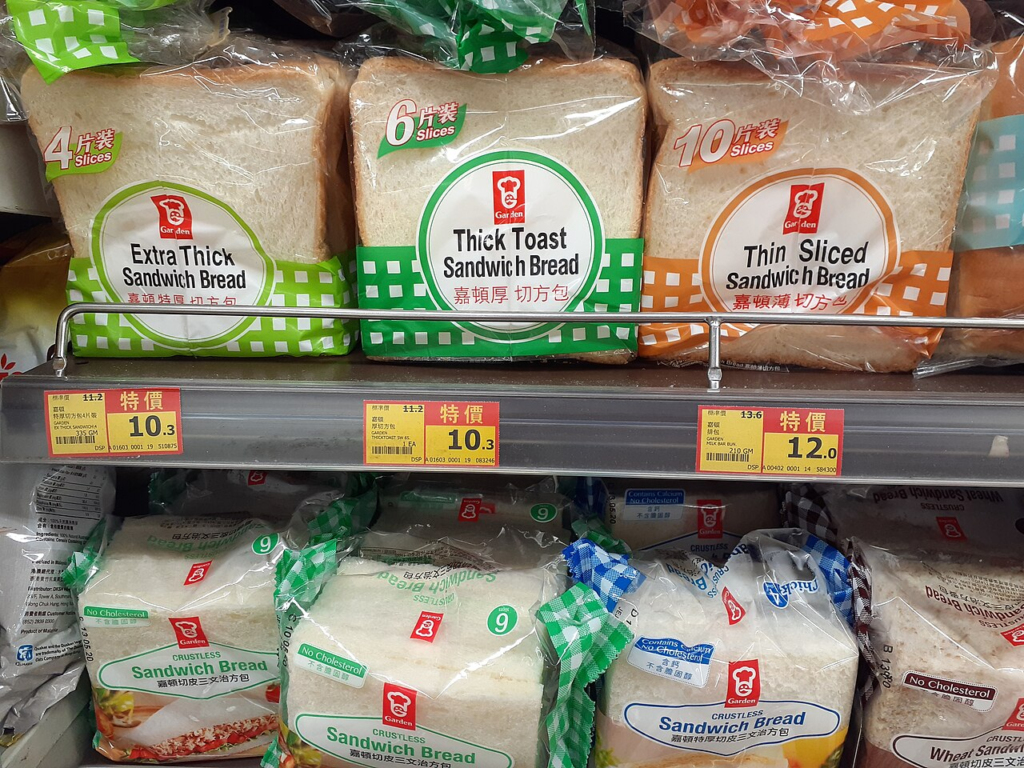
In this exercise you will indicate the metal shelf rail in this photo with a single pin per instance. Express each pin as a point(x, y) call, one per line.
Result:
point(635, 421)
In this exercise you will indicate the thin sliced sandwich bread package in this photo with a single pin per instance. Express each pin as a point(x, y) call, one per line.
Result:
point(939, 606)
point(414, 650)
point(220, 183)
point(748, 663)
point(495, 193)
point(811, 194)
point(179, 631)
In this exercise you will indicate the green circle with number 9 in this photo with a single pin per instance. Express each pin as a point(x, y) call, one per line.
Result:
point(543, 513)
point(502, 620)
point(264, 545)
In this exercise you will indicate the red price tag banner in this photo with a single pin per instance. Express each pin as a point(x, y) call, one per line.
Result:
point(770, 441)
point(452, 433)
point(113, 422)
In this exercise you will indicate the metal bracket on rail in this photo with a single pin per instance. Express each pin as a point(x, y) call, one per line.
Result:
point(713, 320)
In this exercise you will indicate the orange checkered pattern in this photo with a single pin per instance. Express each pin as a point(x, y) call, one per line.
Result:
point(844, 28)
point(918, 287)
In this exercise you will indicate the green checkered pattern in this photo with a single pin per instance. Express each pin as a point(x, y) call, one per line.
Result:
point(342, 518)
point(84, 564)
point(587, 639)
point(486, 36)
point(272, 757)
point(597, 532)
point(62, 35)
point(392, 278)
point(327, 284)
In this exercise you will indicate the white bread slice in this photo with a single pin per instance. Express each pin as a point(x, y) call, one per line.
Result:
point(590, 116)
point(473, 685)
point(266, 139)
point(913, 147)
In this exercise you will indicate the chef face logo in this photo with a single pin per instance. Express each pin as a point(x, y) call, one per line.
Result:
point(804, 208)
point(399, 707)
point(257, 477)
point(711, 516)
point(744, 684)
point(950, 528)
point(733, 610)
point(427, 626)
point(189, 632)
point(1015, 636)
point(1015, 722)
point(175, 217)
point(509, 188)
point(198, 572)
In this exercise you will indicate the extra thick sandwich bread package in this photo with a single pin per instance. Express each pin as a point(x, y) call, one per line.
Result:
point(179, 630)
point(818, 196)
point(668, 517)
point(220, 183)
point(750, 663)
point(505, 193)
point(413, 651)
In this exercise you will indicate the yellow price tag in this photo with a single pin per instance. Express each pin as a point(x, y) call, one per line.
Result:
point(113, 422)
point(438, 433)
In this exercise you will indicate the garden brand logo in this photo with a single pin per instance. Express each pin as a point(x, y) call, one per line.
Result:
point(509, 192)
point(399, 707)
point(711, 519)
point(198, 572)
point(427, 626)
point(744, 684)
point(950, 528)
point(804, 208)
point(1015, 722)
point(735, 611)
point(175, 217)
point(189, 633)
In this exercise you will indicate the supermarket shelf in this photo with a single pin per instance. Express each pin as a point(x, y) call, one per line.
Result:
point(616, 421)
point(21, 174)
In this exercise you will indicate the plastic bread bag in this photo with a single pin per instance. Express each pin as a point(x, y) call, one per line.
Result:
point(803, 196)
point(749, 663)
point(491, 193)
point(989, 231)
point(46, 515)
point(427, 660)
point(222, 182)
point(471, 500)
point(669, 517)
point(177, 620)
point(32, 295)
point(256, 492)
point(337, 18)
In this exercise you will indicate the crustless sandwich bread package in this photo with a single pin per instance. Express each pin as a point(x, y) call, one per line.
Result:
point(748, 663)
point(218, 183)
point(414, 650)
point(177, 621)
point(939, 617)
point(802, 178)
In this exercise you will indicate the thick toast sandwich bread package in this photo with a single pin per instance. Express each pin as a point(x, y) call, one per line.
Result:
point(749, 663)
point(770, 195)
point(216, 184)
point(499, 193)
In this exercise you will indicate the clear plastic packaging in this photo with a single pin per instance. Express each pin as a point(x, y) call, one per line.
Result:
point(750, 663)
point(223, 182)
point(422, 652)
point(46, 515)
point(178, 624)
point(492, 192)
point(831, 189)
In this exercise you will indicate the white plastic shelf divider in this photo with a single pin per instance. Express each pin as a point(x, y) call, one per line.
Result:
point(565, 418)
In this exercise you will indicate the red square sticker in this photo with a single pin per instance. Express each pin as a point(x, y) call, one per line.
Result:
point(950, 528)
point(257, 477)
point(509, 196)
point(1014, 636)
point(1015, 722)
point(174, 217)
point(198, 572)
point(189, 632)
point(804, 208)
point(427, 626)
point(710, 518)
point(733, 610)
point(471, 509)
point(744, 684)
point(399, 707)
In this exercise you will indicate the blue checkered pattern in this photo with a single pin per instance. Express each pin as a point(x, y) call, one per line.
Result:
point(836, 570)
point(610, 576)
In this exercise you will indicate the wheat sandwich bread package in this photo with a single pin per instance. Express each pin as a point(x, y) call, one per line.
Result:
point(812, 197)
point(465, 661)
point(216, 184)
point(750, 663)
point(499, 193)
point(180, 635)
point(707, 519)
